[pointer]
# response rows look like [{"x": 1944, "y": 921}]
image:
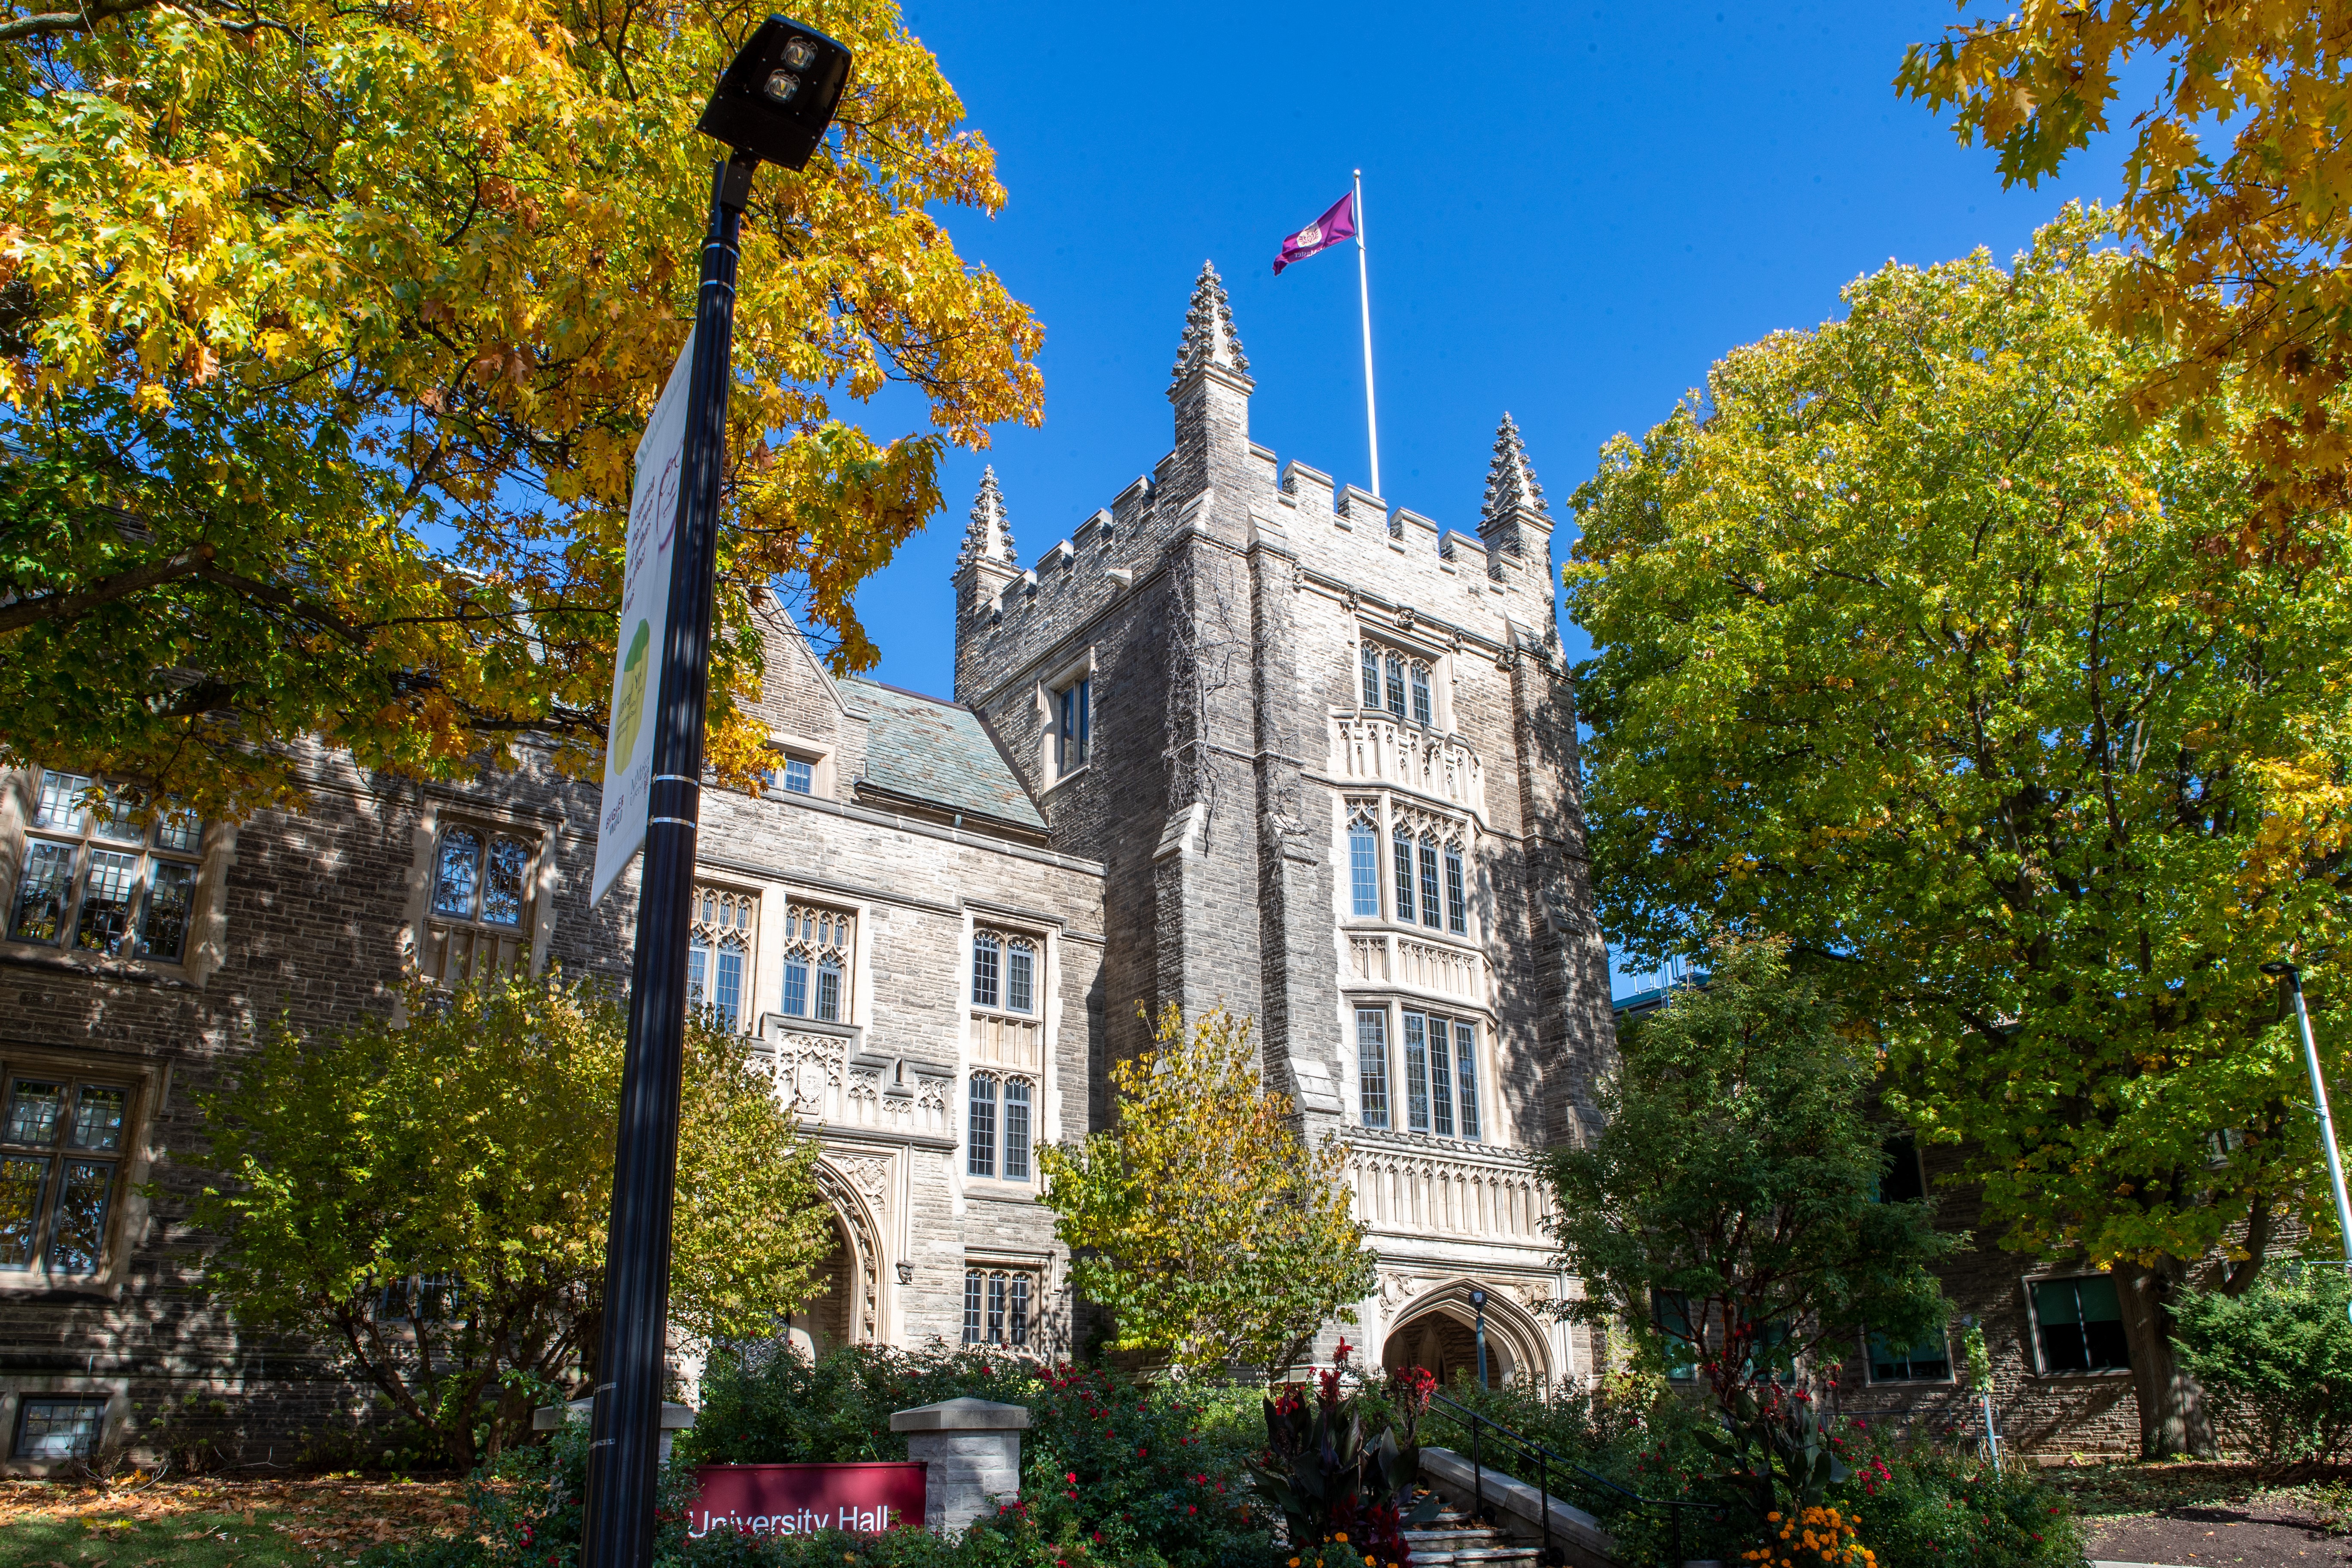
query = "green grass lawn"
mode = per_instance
[{"x": 179, "y": 1541}]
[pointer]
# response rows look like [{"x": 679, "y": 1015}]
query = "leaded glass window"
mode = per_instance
[
  {"x": 1416, "y": 1074},
  {"x": 103, "y": 874},
  {"x": 1396, "y": 686},
  {"x": 1016, "y": 1129},
  {"x": 1020, "y": 975},
  {"x": 1440, "y": 1079},
  {"x": 1371, "y": 676},
  {"x": 800, "y": 778},
  {"x": 1465, "y": 1081},
  {"x": 1420, "y": 695},
  {"x": 59, "y": 1429},
  {"x": 1073, "y": 719},
  {"x": 998, "y": 1307},
  {"x": 719, "y": 956},
  {"x": 1372, "y": 1064},
  {"x": 1429, "y": 911},
  {"x": 1363, "y": 864},
  {"x": 1403, "y": 883},
  {"x": 1457, "y": 905},
  {"x": 974, "y": 1284},
  {"x": 819, "y": 946},
  {"x": 987, "y": 961},
  {"x": 61, "y": 1142},
  {"x": 982, "y": 1129}
]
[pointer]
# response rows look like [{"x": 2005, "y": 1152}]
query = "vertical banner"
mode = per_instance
[{"x": 645, "y": 618}]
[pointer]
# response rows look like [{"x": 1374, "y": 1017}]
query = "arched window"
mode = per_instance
[
  {"x": 1020, "y": 975},
  {"x": 996, "y": 1306},
  {"x": 987, "y": 964},
  {"x": 717, "y": 957},
  {"x": 1429, "y": 905},
  {"x": 980, "y": 1143},
  {"x": 1363, "y": 863},
  {"x": 1396, "y": 686},
  {"x": 1371, "y": 676},
  {"x": 817, "y": 952},
  {"x": 1421, "y": 694}
]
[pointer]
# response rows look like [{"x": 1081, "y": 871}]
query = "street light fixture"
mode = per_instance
[
  {"x": 2294, "y": 978},
  {"x": 773, "y": 105}
]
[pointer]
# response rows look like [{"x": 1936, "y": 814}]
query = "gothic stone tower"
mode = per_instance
[{"x": 1326, "y": 755}]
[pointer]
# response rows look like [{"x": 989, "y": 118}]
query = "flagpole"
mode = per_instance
[{"x": 1364, "y": 296}]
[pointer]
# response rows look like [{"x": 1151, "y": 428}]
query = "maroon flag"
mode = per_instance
[{"x": 1325, "y": 232}]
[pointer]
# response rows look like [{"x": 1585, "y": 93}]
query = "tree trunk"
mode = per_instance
[{"x": 2173, "y": 1421}]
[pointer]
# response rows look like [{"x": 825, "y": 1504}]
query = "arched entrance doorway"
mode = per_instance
[
  {"x": 845, "y": 1306},
  {"x": 1439, "y": 1331}
]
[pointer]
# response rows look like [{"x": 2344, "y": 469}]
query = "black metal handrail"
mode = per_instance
[{"x": 1545, "y": 1461}]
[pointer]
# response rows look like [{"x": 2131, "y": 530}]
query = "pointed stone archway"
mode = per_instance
[
  {"x": 848, "y": 1307},
  {"x": 1437, "y": 1329}
]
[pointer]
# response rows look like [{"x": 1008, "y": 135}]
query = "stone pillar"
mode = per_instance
[{"x": 973, "y": 1449}]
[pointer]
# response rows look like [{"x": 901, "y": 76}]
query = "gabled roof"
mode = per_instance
[{"x": 927, "y": 750}]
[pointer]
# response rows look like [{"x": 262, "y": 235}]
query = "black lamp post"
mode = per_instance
[
  {"x": 2294, "y": 978},
  {"x": 773, "y": 105},
  {"x": 1478, "y": 1306}
]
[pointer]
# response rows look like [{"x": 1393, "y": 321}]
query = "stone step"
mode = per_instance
[
  {"x": 1464, "y": 1534},
  {"x": 1480, "y": 1557}
]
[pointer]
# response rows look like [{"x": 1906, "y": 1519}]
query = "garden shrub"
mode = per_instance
[
  {"x": 2276, "y": 1363},
  {"x": 1140, "y": 1473}
]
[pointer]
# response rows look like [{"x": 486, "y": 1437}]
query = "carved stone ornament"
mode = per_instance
[
  {"x": 906, "y": 1272},
  {"x": 1405, "y": 618}
]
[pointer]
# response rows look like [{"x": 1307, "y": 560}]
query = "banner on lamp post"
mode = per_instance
[{"x": 644, "y": 620}]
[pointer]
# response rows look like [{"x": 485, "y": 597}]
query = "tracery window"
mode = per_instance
[
  {"x": 99, "y": 880},
  {"x": 1398, "y": 682},
  {"x": 1396, "y": 686},
  {"x": 719, "y": 956},
  {"x": 999, "y": 1146},
  {"x": 1402, "y": 886},
  {"x": 478, "y": 919},
  {"x": 998, "y": 1307},
  {"x": 1428, "y": 911},
  {"x": 62, "y": 1142},
  {"x": 1457, "y": 912},
  {"x": 818, "y": 948}
]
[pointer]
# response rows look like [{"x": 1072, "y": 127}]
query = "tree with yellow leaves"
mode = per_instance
[
  {"x": 2242, "y": 266},
  {"x": 1208, "y": 1227},
  {"x": 327, "y": 334},
  {"x": 1906, "y": 655}
]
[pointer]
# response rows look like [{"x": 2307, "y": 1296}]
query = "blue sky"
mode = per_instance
[{"x": 1572, "y": 211}]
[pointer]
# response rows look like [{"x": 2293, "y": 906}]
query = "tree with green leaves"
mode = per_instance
[
  {"x": 328, "y": 332},
  {"x": 1908, "y": 652},
  {"x": 431, "y": 1198},
  {"x": 1727, "y": 1212},
  {"x": 1212, "y": 1232}
]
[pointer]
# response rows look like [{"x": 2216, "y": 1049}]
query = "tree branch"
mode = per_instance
[{"x": 188, "y": 562}]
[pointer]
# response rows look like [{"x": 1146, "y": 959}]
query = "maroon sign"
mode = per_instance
[{"x": 801, "y": 1500}]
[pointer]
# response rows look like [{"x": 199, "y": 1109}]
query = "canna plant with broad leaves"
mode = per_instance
[{"x": 1333, "y": 1486}]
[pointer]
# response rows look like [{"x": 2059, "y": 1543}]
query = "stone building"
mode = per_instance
[{"x": 1246, "y": 736}]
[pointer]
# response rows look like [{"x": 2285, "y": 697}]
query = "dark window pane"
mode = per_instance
[
  {"x": 973, "y": 1285},
  {"x": 1670, "y": 1310},
  {"x": 1371, "y": 676},
  {"x": 117, "y": 816},
  {"x": 1416, "y": 1075},
  {"x": 44, "y": 892},
  {"x": 1440, "y": 1079},
  {"x": 1396, "y": 686},
  {"x": 1404, "y": 875},
  {"x": 80, "y": 1235},
  {"x": 1457, "y": 908},
  {"x": 36, "y": 1108},
  {"x": 982, "y": 1161},
  {"x": 502, "y": 889},
  {"x": 1902, "y": 1183},
  {"x": 796, "y": 988},
  {"x": 996, "y": 1309},
  {"x": 458, "y": 877},
  {"x": 727, "y": 987},
  {"x": 1372, "y": 1064},
  {"x": 2081, "y": 1325},
  {"x": 985, "y": 957},
  {"x": 1420, "y": 695},
  {"x": 1020, "y": 977},
  {"x": 105, "y": 925},
  {"x": 698, "y": 972},
  {"x": 170, "y": 902},
  {"x": 1016, "y": 1132},
  {"x": 1929, "y": 1361},
  {"x": 1021, "y": 1309},
  {"x": 22, "y": 1182},
  {"x": 98, "y": 1116},
  {"x": 1465, "y": 1062},
  {"x": 1429, "y": 915},
  {"x": 828, "y": 991},
  {"x": 59, "y": 1429}
]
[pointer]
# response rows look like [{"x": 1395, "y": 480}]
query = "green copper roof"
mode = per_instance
[{"x": 937, "y": 752}]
